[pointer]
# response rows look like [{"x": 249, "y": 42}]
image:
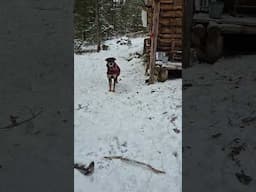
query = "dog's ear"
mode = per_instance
[{"x": 110, "y": 59}]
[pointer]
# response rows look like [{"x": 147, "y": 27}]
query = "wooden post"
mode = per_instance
[
  {"x": 154, "y": 35},
  {"x": 187, "y": 26}
]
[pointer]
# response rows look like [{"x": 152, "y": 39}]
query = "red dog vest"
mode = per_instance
[{"x": 115, "y": 70}]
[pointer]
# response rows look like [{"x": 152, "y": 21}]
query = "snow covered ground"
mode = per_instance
[
  {"x": 136, "y": 122},
  {"x": 224, "y": 121}
]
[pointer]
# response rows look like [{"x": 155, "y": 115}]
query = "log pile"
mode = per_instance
[{"x": 207, "y": 42}]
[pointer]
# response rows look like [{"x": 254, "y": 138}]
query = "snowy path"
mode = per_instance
[{"x": 136, "y": 121}]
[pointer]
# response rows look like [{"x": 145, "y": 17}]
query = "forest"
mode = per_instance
[{"x": 97, "y": 20}]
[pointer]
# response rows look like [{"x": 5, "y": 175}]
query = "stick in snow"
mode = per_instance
[
  {"x": 15, "y": 124},
  {"x": 135, "y": 162}
]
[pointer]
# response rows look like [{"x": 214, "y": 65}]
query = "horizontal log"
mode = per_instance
[
  {"x": 178, "y": 30},
  {"x": 173, "y": 43},
  {"x": 179, "y": 2},
  {"x": 167, "y": 1},
  {"x": 170, "y": 30},
  {"x": 229, "y": 29},
  {"x": 171, "y": 21},
  {"x": 165, "y": 43},
  {"x": 170, "y": 7},
  {"x": 237, "y": 29},
  {"x": 164, "y": 49},
  {"x": 169, "y": 41},
  {"x": 167, "y": 30},
  {"x": 170, "y": 26},
  {"x": 226, "y": 19},
  {"x": 168, "y": 48},
  {"x": 176, "y": 2},
  {"x": 170, "y": 36},
  {"x": 171, "y": 14}
]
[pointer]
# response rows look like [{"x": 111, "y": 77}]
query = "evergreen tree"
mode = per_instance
[{"x": 106, "y": 17}]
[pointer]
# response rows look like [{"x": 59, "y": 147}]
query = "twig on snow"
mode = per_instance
[
  {"x": 15, "y": 124},
  {"x": 136, "y": 162}
]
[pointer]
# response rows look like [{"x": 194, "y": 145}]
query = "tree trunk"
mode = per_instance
[{"x": 98, "y": 36}]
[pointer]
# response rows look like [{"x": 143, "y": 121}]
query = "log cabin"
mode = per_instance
[
  {"x": 215, "y": 21},
  {"x": 164, "y": 21}
]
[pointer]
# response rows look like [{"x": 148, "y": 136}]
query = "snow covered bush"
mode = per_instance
[{"x": 124, "y": 41}]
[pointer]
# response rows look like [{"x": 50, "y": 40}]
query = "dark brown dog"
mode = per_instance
[{"x": 113, "y": 71}]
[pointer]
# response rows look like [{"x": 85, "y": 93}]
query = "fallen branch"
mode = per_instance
[
  {"x": 135, "y": 162},
  {"x": 85, "y": 170},
  {"x": 15, "y": 124}
]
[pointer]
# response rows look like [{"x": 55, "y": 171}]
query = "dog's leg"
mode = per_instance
[
  {"x": 109, "y": 84},
  {"x": 114, "y": 86}
]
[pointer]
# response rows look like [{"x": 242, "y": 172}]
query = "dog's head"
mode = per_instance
[
  {"x": 110, "y": 62},
  {"x": 110, "y": 59}
]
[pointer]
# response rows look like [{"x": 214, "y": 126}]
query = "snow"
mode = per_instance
[
  {"x": 144, "y": 18},
  {"x": 225, "y": 93},
  {"x": 136, "y": 122}
]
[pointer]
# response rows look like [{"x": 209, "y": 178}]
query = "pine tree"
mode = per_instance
[{"x": 97, "y": 20}]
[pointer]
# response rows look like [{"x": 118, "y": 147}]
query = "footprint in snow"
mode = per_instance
[{"x": 117, "y": 147}]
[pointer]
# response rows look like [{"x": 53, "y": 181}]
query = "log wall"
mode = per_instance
[{"x": 169, "y": 38}]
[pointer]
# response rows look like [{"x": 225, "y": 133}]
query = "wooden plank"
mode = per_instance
[
  {"x": 171, "y": 65},
  {"x": 156, "y": 6}
]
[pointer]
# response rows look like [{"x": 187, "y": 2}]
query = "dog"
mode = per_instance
[{"x": 113, "y": 71}]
